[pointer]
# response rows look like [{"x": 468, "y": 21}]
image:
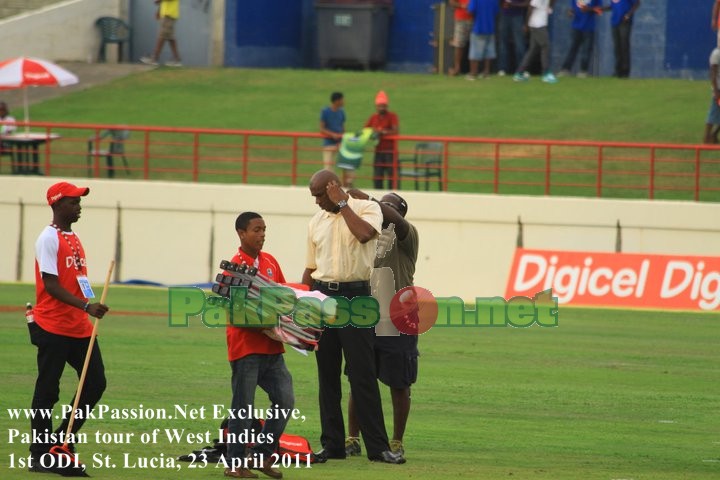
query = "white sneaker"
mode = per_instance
[
  {"x": 564, "y": 73},
  {"x": 501, "y": 73},
  {"x": 148, "y": 61},
  {"x": 582, "y": 75},
  {"x": 549, "y": 78},
  {"x": 173, "y": 63}
]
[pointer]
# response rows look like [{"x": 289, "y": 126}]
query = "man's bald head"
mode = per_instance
[
  {"x": 321, "y": 178},
  {"x": 318, "y": 189}
]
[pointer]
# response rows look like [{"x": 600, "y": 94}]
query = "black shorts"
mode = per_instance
[
  {"x": 396, "y": 369},
  {"x": 396, "y": 360}
]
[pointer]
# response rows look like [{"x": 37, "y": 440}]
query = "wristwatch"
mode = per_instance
[{"x": 341, "y": 204}]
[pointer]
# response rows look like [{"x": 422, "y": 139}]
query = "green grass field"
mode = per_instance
[
  {"x": 608, "y": 394},
  {"x": 603, "y": 109}
]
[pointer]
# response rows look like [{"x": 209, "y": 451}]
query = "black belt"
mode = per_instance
[{"x": 337, "y": 286}]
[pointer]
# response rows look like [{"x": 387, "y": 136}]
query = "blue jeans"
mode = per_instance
[
  {"x": 512, "y": 38},
  {"x": 269, "y": 373},
  {"x": 582, "y": 42}
]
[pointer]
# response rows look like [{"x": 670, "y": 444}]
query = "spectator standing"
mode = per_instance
[
  {"x": 621, "y": 20},
  {"x": 583, "y": 14},
  {"x": 538, "y": 17},
  {"x": 168, "y": 13},
  {"x": 332, "y": 127},
  {"x": 511, "y": 33},
  {"x": 461, "y": 32},
  {"x": 385, "y": 123},
  {"x": 712, "y": 126},
  {"x": 482, "y": 38},
  {"x": 715, "y": 20}
]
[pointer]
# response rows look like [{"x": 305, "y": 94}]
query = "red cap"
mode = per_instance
[
  {"x": 381, "y": 98},
  {"x": 65, "y": 189}
]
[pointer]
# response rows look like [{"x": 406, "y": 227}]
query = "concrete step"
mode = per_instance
[{"x": 8, "y": 8}]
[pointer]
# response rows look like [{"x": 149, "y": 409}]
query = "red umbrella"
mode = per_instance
[{"x": 23, "y": 72}]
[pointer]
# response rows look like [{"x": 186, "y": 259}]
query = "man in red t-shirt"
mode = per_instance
[
  {"x": 59, "y": 326},
  {"x": 385, "y": 123},
  {"x": 256, "y": 360}
]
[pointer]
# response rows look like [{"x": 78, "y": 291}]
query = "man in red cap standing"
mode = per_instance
[
  {"x": 385, "y": 123},
  {"x": 59, "y": 326}
]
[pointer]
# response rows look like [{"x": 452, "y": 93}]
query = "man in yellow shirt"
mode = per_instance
[
  {"x": 340, "y": 255},
  {"x": 168, "y": 13}
]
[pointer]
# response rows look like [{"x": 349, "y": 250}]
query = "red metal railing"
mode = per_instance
[{"x": 490, "y": 165}]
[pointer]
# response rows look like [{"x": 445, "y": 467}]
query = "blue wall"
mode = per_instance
[
  {"x": 688, "y": 35},
  {"x": 410, "y": 28},
  {"x": 671, "y": 38},
  {"x": 269, "y": 34}
]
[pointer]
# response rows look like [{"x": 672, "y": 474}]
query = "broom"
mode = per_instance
[{"x": 63, "y": 449}]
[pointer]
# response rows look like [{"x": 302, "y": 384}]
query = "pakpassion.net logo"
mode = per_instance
[{"x": 413, "y": 310}]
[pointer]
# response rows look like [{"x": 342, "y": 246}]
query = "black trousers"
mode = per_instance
[
  {"x": 54, "y": 351},
  {"x": 357, "y": 345},
  {"x": 621, "y": 39},
  {"x": 382, "y": 166}
]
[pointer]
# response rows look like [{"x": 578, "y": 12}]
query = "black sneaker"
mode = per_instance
[
  {"x": 389, "y": 457},
  {"x": 323, "y": 456}
]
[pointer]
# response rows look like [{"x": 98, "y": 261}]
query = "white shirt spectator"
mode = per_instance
[
  {"x": 7, "y": 125},
  {"x": 540, "y": 12}
]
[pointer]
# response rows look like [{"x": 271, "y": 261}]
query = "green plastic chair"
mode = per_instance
[
  {"x": 425, "y": 164},
  {"x": 113, "y": 30},
  {"x": 116, "y": 148}
]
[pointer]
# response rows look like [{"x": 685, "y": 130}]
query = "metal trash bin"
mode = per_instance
[{"x": 353, "y": 33}]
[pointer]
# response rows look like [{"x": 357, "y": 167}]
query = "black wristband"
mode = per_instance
[{"x": 85, "y": 308}]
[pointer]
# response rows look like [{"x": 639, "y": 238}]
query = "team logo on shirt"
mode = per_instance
[
  {"x": 269, "y": 272},
  {"x": 70, "y": 261}
]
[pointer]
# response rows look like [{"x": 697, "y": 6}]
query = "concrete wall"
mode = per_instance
[
  {"x": 62, "y": 31},
  {"x": 466, "y": 241}
]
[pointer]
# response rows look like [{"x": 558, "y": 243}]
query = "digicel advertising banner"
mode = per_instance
[{"x": 618, "y": 279}]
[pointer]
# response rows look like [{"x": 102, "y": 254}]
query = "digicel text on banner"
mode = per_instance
[{"x": 618, "y": 279}]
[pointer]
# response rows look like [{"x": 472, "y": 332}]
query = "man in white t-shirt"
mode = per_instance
[
  {"x": 7, "y": 126},
  {"x": 7, "y": 122},
  {"x": 712, "y": 125},
  {"x": 538, "y": 15}
]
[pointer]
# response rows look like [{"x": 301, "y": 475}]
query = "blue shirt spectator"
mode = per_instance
[
  {"x": 484, "y": 13},
  {"x": 584, "y": 20},
  {"x": 334, "y": 120},
  {"x": 619, "y": 9}
]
